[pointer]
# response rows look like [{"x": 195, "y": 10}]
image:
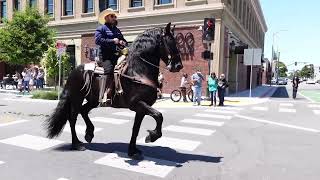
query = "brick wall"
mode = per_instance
[{"x": 190, "y": 55}]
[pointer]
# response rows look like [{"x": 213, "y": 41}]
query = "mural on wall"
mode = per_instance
[{"x": 185, "y": 44}]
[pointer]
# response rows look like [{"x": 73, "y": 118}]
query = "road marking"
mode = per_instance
[
  {"x": 31, "y": 142},
  {"x": 109, "y": 120},
  {"x": 173, "y": 143},
  {"x": 311, "y": 100},
  {"x": 62, "y": 179},
  {"x": 12, "y": 123},
  {"x": 213, "y": 116},
  {"x": 229, "y": 108},
  {"x": 189, "y": 130},
  {"x": 221, "y": 111},
  {"x": 286, "y": 104},
  {"x": 260, "y": 108},
  {"x": 1, "y": 162},
  {"x": 79, "y": 129},
  {"x": 150, "y": 166},
  {"x": 278, "y": 124},
  {"x": 287, "y": 110},
  {"x": 125, "y": 113},
  {"x": 314, "y": 105},
  {"x": 317, "y": 112},
  {"x": 204, "y": 122}
]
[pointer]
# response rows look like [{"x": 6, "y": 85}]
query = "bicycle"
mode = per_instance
[{"x": 176, "y": 94}]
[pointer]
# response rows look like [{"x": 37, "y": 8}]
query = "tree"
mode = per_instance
[
  {"x": 282, "y": 69},
  {"x": 25, "y": 38},
  {"x": 51, "y": 63},
  {"x": 307, "y": 71}
]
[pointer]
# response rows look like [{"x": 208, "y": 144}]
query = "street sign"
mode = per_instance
[{"x": 61, "y": 48}]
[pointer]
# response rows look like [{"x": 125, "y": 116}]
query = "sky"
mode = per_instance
[{"x": 298, "y": 24}]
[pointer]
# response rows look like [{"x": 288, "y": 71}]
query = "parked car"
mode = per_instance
[
  {"x": 282, "y": 81},
  {"x": 311, "y": 81}
]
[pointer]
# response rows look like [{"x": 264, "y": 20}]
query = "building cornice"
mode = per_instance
[{"x": 257, "y": 8}]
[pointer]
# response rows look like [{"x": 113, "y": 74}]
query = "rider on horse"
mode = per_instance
[{"x": 108, "y": 37}]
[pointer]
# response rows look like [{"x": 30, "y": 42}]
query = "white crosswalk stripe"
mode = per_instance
[
  {"x": 221, "y": 111},
  {"x": 203, "y": 122},
  {"x": 1, "y": 162},
  {"x": 317, "y": 112},
  {"x": 286, "y": 110},
  {"x": 314, "y": 105},
  {"x": 150, "y": 166},
  {"x": 31, "y": 142},
  {"x": 260, "y": 108},
  {"x": 286, "y": 104},
  {"x": 62, "y": 179},
  {"x": 125, "y": 113},
  {"x": 229, "y": 108},
  {"x": 216, "y": 116},
  {"x": 12, "y": 123},
  {"x": 80, "y": 129},
  {"x": 189, "y": 130},
  {"x": 173, "y": 143},
  {"x": 110, "y": 120}
]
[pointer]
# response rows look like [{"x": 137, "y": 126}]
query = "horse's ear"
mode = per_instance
[
  {"x": 172, "y": 29},
  {"x": 168, "y": 28}
]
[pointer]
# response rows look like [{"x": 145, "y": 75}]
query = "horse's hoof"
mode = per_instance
[
  {"x": 153, "y": 136},
  {"x": 78, "y": 147},
  {"x": 88, "y": 137}
]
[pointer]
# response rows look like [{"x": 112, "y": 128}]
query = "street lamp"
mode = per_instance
[{"x": 277, "y": 67}]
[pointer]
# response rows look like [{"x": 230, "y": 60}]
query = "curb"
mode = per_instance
[{"x": 266, "y": 94}]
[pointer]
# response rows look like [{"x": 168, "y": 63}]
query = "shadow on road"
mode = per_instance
[
  {"x": 281, "y": 92},
  {"x": 157, "y": 152}
]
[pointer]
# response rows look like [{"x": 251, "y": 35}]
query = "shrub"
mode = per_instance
[{"x": 49, "y": 95}]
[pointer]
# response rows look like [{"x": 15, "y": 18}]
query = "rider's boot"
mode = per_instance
[{"x": 106, "y": 100}]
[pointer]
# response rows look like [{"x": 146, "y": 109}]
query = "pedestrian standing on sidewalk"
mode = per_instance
[
  {"x": 40, "y": 79},
  {"x": 26, "y": 79},
  {"x": 213, "y": 85},
  {"x": 222, "y": 85},
  {"x": 183, "y": 86},
  {"x": 197, "y": 79},
  {"x": 295, "y": 85},
  {"x": 19, "y": 80}
]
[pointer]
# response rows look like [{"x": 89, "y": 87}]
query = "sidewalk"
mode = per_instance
[{"x": 263, "y": 91}]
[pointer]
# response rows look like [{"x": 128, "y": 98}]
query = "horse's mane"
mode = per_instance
[{"x": 144, "y": 46}]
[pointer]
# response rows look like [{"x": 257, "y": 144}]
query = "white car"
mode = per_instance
[{"x": 311, "y": 81}]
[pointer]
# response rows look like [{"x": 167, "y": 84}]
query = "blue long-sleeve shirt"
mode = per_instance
[{"x": 104, "y": 36}]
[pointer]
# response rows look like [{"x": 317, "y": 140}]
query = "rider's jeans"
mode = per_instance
[{"x": 197, "y": 95}]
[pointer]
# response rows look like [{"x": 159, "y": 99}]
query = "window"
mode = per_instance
[
  {"x": 33, "y": 3},
  {"x": 158, "y": 2},
  {"x": 50, "y": 7},
  {"x": 88, "y": 6},
  {"x": 136, "y": 3},
  {"x": 17, "y": 5},
  {"x": 68, "y": 7},
  {"x": 105, "y": 4},
  {"x": 3, "y": 9}
]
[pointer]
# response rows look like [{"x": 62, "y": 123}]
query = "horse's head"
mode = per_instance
[{"x": 168, "y": 50}]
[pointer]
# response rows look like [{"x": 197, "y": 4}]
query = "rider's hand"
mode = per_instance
[
  {"x": 121, "y": 42},
  {"x": 116, "y": 40}
]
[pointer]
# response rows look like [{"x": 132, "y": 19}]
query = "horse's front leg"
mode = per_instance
[{"x": 157, "y": 132}]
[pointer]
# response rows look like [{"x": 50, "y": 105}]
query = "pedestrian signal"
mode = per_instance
[{"x": 209, "y": 29}]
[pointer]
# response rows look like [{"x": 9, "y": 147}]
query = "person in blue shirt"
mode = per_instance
[
  {"x": 197, "y": 79},
  {"x": 213, "y": 87},
  {"x": 108, "y": 37}
]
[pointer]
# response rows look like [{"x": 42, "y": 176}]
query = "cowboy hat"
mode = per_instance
[{"x": 105, "y": 13}]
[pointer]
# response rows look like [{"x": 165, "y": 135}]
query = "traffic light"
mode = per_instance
[
  {"x": 209, "y": 29},
  {"x": 207, "y": 55},
  {"x": 295, "y": 63}
]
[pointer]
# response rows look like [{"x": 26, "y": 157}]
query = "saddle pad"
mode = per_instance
[{"x": 89, "y": 66}]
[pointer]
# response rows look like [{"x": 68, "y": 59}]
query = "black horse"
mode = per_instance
[{"x": 143, "y": 65}]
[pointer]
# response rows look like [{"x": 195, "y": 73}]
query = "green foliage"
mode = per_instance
[
  {"x": 51, "y": 63},
  {"x": 25, "y": 38},
  {"x": 307, "y": 71},
  {"x": 282, "y": 69},
  {"x": 49, "y": 95}
]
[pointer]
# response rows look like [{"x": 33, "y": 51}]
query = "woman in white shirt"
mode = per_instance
[{"x": 183, "y": 86}]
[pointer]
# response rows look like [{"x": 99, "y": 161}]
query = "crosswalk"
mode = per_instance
[
  {"x": 290, "y": 108},
  {"x": 194, "y": 130}
]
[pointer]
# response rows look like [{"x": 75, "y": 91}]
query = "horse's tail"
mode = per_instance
[{"x": 56, "y": 122}]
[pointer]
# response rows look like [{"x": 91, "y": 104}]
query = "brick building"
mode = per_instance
[{"x": 239, "y": 22}]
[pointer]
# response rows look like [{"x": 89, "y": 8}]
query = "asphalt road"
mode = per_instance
[{"x": 277, "y": 139}]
